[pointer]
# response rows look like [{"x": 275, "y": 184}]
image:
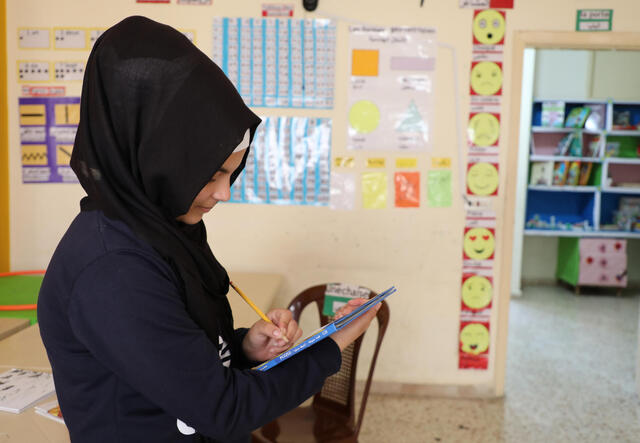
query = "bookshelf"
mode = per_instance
[{"x": 584, "y": 181}]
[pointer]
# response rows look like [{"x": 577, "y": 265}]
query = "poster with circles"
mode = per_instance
[
  {"x": 390, "y": 101},
  {"x": 486, "y": 78}
]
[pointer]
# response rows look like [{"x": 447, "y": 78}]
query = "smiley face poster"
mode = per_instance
[
  {"x": 477, "y": 293},
  {"x": 474, "y": 339}
]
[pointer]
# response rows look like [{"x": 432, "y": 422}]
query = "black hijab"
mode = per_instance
[{"x": 157, "y": 119}]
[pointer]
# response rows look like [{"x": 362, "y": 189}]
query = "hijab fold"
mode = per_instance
[{"x": 157, "y": 119}]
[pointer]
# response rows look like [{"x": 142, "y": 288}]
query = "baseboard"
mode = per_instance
[
  {"x": 419, "y": 390},
  {"x": 635, "y": 284}
]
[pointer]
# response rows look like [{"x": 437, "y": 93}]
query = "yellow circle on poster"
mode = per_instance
[
  {"x": 477, "y": 292},
  {"x": 486, "y": 78},
  {"x": 482, "y": 179},
  {"x": 364, "y": 116},
  {"x": 488, "y": 27},
  {"x": 483, "y": 129},
  {"x": 474, "y": 338},
  {"x": 479, "y": 243}
]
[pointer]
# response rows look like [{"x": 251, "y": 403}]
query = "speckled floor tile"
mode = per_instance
[{"x": 571, "y": 365}]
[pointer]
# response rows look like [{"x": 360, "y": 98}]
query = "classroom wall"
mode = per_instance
[
  {"x": 417, "y": 250},
  {"x": 580, "y": 74}
]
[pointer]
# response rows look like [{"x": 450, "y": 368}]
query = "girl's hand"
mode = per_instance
[
  {"x": 345, "y": 336},
  {"x": 265, "y": 340}
]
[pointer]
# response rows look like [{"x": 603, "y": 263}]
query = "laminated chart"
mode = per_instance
[
  {"x": 288, "y": 164},
  {"x": 47, "y": 131},
  {"x": 278, "y": 62},
  {"x": 390, "y": 103}
]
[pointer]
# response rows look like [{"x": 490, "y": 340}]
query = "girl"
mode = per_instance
[{"x": 133, "y": 309}]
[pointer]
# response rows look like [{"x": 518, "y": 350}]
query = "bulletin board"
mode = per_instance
[{"x": 397, "y": 214}]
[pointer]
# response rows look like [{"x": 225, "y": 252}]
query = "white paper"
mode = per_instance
[
  {"x": 343, "y": 189},
  {"x": 69, "y": 71},
  {"x": 33, "y": 71},
  {"x": 33, "y": 38},
  {"x": 70, "y": 39},
  {"x": 20, "y": 389},
  {"x": 390, "y": 101}
]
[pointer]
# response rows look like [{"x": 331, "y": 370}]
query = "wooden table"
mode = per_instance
[
  {"x": 24, "y": 349},
  {"x": 9, "y": 326}
]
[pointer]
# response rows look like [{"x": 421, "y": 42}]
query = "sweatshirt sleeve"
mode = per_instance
[{"x": 126, "y": 309}]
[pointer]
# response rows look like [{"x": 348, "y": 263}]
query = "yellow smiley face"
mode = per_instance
[
  {"x": 486, "y": 78},
  {"x": 474, "y": 338},
  {"x": 479, "y": 243},
  {"x": 477, "y": 292},
  {"x": 482, "y": 179},
  {"x": 483, "y": 129},
  {"x": 488, "y": 27}
]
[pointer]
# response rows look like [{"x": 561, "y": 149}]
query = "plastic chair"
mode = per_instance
[{"x": 332, "y": 416}]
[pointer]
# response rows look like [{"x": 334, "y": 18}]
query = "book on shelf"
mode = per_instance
[
  {"x": 585, "y": 173},
  {"x": 541, "y": 173},
  {"x": 577, "y": 117},
  {"x": 575, "y": 148},
  {"x": 552, "y": 114},
  {"x": 560, "y": 171},
  {"x": 326, "y": 331},
  {"x": 50, "y": 410},
  {"x": 565, "y": 144},
  {"x": 573, "y": 174},
  {"x": 20, "y": 389},
  {"x": 595, "y": 120}
]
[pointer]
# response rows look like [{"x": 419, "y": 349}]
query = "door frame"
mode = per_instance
[{"x": 537, "y": 40}]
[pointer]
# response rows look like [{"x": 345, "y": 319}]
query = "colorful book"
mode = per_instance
[
  {"x": 560, "y": 173},
  {"x": 577, "y": 117},
  {"x": 326, "y": 331},
  {"x": 552, "y": 114},
  {"x": 585, "y": 173},
  {"x": 20, "y": 389},
  {"x": 573, "y": 174},
  {"x": 50, "y": 410},
  {"x": 565, "y": 144}
]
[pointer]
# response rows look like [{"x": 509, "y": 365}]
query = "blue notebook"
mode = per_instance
[{"x": 326, "y": 331}]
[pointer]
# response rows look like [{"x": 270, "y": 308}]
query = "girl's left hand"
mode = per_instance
[{"x": 265, "y": 340}]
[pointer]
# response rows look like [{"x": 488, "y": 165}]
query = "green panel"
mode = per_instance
[
  {"x": 568, "y": 266},
  {"x": 20, "y": 290},
  {"x": 596, "y": 175},
  {"x": 628, "y": 145}
]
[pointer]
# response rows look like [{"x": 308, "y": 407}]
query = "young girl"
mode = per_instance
[{"x": 133, "y": 309}]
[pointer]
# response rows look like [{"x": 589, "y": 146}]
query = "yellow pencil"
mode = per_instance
[{"x": 255, "y": 308}]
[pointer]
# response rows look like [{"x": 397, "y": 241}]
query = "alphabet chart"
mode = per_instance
[{"x": 278, "y": 62}]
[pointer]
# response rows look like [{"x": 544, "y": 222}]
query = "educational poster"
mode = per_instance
[
  {"x": 47, "y": 131},
  {"x": 288, "y": 164},
  {"x": 482, "y": 176},
  {"x": 474, "y": 345},
  {"x": 278, "y": 62},
  {"x": 439, "y": 194},
  {"x": 407, "y": 189},
  {"x": 343, "y": 190},
  {"x": 477, "y": 288},
  {"x": 374, "y": 190},
  {"x": 390, "y": 101},
  {"x": 477, "y": 293}
]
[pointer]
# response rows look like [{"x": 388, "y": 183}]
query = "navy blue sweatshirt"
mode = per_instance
[{"x": 129, "y": 362}]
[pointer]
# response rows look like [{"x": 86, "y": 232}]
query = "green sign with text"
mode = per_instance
[{"x": 594, "y": 19}]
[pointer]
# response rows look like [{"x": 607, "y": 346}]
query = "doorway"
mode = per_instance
[{"x": 522, "y": 43}]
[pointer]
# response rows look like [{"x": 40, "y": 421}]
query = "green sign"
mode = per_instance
[{"x": 594, "y": 19}]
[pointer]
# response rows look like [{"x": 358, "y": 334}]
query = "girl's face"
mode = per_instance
[{"x": 218, "y": 189}]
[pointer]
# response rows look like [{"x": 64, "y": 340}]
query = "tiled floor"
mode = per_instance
[{"x": 570, "y": 378}]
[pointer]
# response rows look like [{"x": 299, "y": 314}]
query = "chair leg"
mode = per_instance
[{"x": 271, "y": 431}]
